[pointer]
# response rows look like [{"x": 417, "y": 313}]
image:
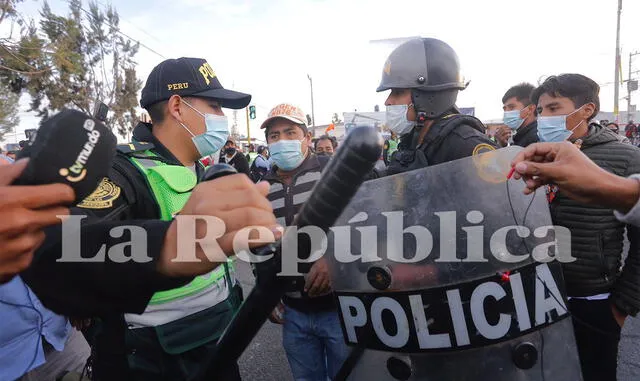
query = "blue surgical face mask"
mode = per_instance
[
  {"x": 397, "y": 121},
  {"x": 286, "y": 154},
  {"x": 554, "y": 128},
  {"x": 512, "y": 119},
  {"x": 215, "y": 135}
]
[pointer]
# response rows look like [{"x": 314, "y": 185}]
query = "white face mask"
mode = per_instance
[{"x": 397, "y": 119}]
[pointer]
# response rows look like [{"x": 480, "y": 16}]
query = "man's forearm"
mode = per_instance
[
  {"x": 620, "y": 193},
  {"x": 93, "y": 288}
]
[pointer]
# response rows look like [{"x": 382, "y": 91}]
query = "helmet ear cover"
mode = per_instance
[{"x": 432, "y": 105}]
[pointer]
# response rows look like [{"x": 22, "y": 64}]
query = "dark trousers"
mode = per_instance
[{"x": 598, "y": 350}]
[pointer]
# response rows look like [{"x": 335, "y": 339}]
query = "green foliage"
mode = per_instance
[
  {"x": 74, "y": 61},
  {"x": 9, "y": 103}
]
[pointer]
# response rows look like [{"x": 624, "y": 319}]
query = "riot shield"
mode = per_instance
[{"x": 452, "y": 273}]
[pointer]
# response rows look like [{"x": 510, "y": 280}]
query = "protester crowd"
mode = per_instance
[{"x": 160, "y": 320}]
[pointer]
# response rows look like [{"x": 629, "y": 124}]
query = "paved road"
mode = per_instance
[
  {"x": 265, "y": 360},
  {"x": 629, "y": 351}
]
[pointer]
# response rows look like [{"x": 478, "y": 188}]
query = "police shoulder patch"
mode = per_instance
[
  {"x": 134, "y": 147},
  {"x": 482, "y": 148},
  {"x": 103, "y": 197}
]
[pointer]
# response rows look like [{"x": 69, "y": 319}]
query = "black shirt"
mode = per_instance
[
  {"x": 240, "y": 163},
  {"x": 526, "y": 135}
]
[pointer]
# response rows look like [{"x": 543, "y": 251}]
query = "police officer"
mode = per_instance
[
  {"x": 424, "y": 78},
  {"x": 251, "y": 156},
  {"x": 152, "y": 178},
  {"x": 390, "y": 147}
]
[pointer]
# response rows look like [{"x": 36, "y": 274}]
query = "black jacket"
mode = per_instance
[
  {"x": 526, "y": 135},
  {"x": 240, "y": 163},
  {"x": 452, "y": 137},
  {"x": 597, "y": 236}
]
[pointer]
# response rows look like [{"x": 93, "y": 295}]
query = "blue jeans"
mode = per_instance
[{"x": 314, "y": 344}]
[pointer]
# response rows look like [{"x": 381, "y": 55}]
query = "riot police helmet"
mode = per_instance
[{"x": 430, "y": 69}]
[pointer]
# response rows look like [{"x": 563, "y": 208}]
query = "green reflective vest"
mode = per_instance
[
  {"x": 171, "y": 186},
  {"x": 252, "y": 157},
  {"x": 393, "y": 147}
]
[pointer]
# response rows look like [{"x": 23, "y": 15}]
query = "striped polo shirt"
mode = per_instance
[{"x": 287, "y": 200}]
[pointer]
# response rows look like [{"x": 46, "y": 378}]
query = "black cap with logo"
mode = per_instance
[{"x": 189, "y": 77}]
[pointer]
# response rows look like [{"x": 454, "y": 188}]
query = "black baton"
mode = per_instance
[{"x": 331, "y": 194}]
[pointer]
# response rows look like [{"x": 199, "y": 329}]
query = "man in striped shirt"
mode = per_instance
[{"x": 312, "y": 337}]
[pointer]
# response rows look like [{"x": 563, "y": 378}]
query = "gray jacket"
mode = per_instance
[{"x": 597, "y": 235}]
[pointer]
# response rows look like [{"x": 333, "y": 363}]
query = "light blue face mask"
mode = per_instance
[
  {"x": 286, "y": 154},
  {"x": 512, "y": 119},
  {"x": 215, "y": 135},
  {"x": 554, "y": 128}
]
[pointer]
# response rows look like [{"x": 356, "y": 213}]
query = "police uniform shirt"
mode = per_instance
[
  {"x": 463, "y": 141},
  {"x": 444, "y": 142}
]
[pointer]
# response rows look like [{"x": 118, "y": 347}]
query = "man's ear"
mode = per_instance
[
  {"x": 306, "y": 140},
  {"x": 174, "y": 107},
  {"x": 588, "y": 111},
  {"x": 528, "y": 111}
]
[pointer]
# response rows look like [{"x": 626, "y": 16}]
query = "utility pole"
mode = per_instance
[
  {"x": 616, "y": 92},
  {"x": 631, "y": 85},
  {"x": 235, "y": 118},
  {"x": 313, "y": 115},
  {"x": 248, "y": 126}
]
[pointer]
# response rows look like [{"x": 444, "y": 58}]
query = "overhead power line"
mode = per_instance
[{"x": 124, "y": 34}]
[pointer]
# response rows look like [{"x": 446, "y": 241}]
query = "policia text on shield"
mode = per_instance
[
  {"x": 421, "y": 320},
  {"x": 477, "y": 293}
]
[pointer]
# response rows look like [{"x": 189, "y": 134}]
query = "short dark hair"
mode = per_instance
[
  {"x": 230, "y": 142},
  {"x": 522, "y": 93},
  {"x": 156, "y": 112},
  {"x": 332, "y": 139},
  {"x": 580, "y": 89}
]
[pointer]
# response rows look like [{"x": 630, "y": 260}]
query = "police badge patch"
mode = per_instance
[
  {"x": 103, "y": 197},
  {"x": 490, "y": 165},
  {"x": 482, "y": 148}
]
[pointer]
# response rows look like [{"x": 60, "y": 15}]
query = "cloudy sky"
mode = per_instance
[{"x": 267, "y": 47}]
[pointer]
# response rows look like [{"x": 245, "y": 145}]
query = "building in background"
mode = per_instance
[
  {"x": 623, "y": 117},
  {"x": 492, "y": 126}
]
